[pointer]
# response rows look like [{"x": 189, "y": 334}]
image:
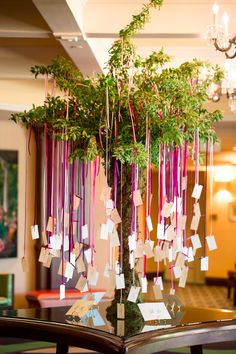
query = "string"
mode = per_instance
[
  {"x": 26, "y": 188},
  {"x": 205, "y": 204}
]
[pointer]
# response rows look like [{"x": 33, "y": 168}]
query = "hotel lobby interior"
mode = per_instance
[{"x": 35, "y": 32}]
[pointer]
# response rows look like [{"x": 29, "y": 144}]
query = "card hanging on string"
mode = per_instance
[
  {"x": 133, "y": 293},
  {"x": 34, "y": 232}
]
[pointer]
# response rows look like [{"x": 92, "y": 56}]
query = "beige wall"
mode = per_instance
[{"x": 13, "y": 137}]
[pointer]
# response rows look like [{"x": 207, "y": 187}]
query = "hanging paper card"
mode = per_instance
[
  {"x": 172, "y": 291},
  {"x": 55, "y": 242},
  {"x": 69, "y": 270},
  {"x": 120, "y": 281},
  {"x": 62, "y": 291},
  {"x": 84, "y": 231},
  {"x": 50, "y": 224},
  {"x": 195, "y": 222},
  {"x": 158, "y": 254},
  {"x": 197, "y": 190},
  {"x": 77, "y": 248},
  {"x": 196, "y": 208},
  {"x": 158, "y": 281},
  {"x": 80, "y": 308},
  {"x": 177, "y": 206},
  {"x": 148, "y": 250},
  {"x": 88, "y": 255},
  {"x": 190, "y": 257},
  {"x": 44, "y": 252},
  {"x": 166, "y": 210},
  {"x": 137, "y": 199},
  {"x": 170, "y": 233},
  {"x": 97, "y": 318},
  {"x": 154, "y": 311},
  {"x": 161, "y": 231},
  {"x": 120, "y": 331},
  {"x": 196, "y": 241},
  {"x": 34, "y": 232},
  {"x": 48, "y": 262},
  {"x": 211, "y": 243},
  {"x": 76, "y": 202},
  {"x": 131, "y": 260},
  {"x": 115, "y": 216},
  {"x": 25, "y": 264},
  {"x": 144, "y": 285},
  {"x": 80, "y": 265},
  {"x": 204, "y": 263},
  {"x": 133, "y": 293},
  {"x": 132, "y": 242},
  {"x": 138, "y": 253},
  {"x": 81, "y": 283},
  {"x": 44, "y": 238},
  {"x": 66, "y": 245},
  {"x": 182, "y": 221},
  {"x": 149, "y": 223},
  {"x": 177, "y": 272},
  {"x": 110, "y": 225},
  {"x": 183, "y": 277},
  {"x": 180, "y": 260},
  {"x": 139, "y": 265},
  {"x": 157, "y": 292},
  {"x": 170, "y": 254},
  {"x": 104, "y": 232},
  {"x": 121, "y": 311},
  {"x": 72, "y": 258},
  {"x": 114, "y": 239}
]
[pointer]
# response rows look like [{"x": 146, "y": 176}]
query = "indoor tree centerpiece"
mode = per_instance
[{"x": 137, "y": 114}]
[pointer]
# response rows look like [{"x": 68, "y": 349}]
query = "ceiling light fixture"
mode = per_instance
[{"x": 218, "y": 34}]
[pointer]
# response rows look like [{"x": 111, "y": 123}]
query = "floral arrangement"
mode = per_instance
[{"x": 137, "y": 114}]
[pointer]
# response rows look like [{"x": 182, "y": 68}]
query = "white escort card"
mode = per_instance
[
  {"x": 196, "y": 241},
  {"x": 154, "y": 311},
  {"x": 166, "y": 210},
  {"x": 104, "y": 232},
  {"x": 204, "y": 263},
  {"x": 120, "y": 281},
  {"x": 161, "y": 231},
  {"x": 144, "y": 284},
  {"x": 149, "y": 223},
  {"x": 133, "y": 293},
  {"x": 62, "y": 291},
  {"x": 197, "y": 190},
  {"x": 34, "y": 232},
  {"x": 132, "y": 242},
  {"x": 211, "y": 243},
  {"x": 84, "y": 231},
  {"x": 137, "y": 199}
]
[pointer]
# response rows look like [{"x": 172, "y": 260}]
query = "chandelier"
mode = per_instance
[
  {"x": 227, "y": 86},
  {"x": 218, "y": 34}
]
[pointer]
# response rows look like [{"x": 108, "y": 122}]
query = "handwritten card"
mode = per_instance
[
  {"x": 80, "y": 265},
  {"x": 144, "y": 284},
  {"x": 148, "y": 249},
  {"x": 110, "y": 225},
  {"x": 44, "y": 238},
  {"x": 154, "y": 311},
  {"x": 34, "y": 232},
  {"x": 81, "y": 283},
  {"x": 133, "y": 293},
  {"x": 88, "y": 255},
  {"x": 115, "y": 216},
  {"x": 204, "y": 263},
  {"x": 197, "y": 190},
  {"x": 158, "y": 281},
  {"x": 131, "y": 260},
  {"x": 114, "y": 239},
  {"x": 50, "y": 224},
  {"x": 69, "y": 271},
  {"x": 195, "y": 222},
  {"x": 120, "y": 311},
  {"x": 182, "y": 221},
  {"x": 120, "y": 281},
  {"x": 211, "y": 243},
  {"x": 196, "y": 241},
  {"x": 166, "y": 210},
  {"x": 137, "y": 199},
  {"x": 177, "y": 272},
  {"x": 183, "y": 277}
]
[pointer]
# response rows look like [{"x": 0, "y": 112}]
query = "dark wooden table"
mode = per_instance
[{"x": 191, "y": 327}]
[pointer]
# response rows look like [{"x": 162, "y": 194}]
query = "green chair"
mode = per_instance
[{"x": 6, "y": 291}]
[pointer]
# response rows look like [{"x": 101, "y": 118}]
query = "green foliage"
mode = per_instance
[{"x": 112, "y": 111}]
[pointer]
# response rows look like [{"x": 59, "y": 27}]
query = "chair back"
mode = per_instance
[{"x": 6, "y": 290}]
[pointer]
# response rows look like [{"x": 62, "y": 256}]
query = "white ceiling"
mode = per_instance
[{"x": 34, "y": 32}]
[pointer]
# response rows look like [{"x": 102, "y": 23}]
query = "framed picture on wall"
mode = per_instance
[
  {"x": 232, "y": 211},
  {"x": 8, "y": 203}
]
